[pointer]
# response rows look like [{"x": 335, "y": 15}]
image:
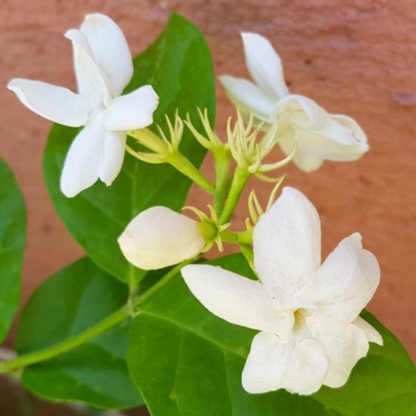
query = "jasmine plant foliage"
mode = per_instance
[
  {"x": 143, "y": 319},
  {"x": 67, "y": 304},
  {"x": 12, "y": 245}
]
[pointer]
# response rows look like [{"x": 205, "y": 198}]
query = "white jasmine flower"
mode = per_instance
[
  {"x": 308, "y": 313},
  {"x": 320, "y": 136},
  {"x": 103, "y": 68},
  {"x": 160, "y": 237}
]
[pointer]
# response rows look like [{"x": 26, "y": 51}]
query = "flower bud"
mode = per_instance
[{"x": 160, "y": 237}]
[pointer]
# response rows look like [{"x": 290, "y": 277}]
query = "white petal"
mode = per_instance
[
  {"x": 344, "y": 344},
  {"x": 56, "y": 104},
  {"x": 266, "y": 363},
  {"x": 114, "y": 151},
  {"x": 302, "y": 113},
  {"x": 302, "y": 160},
  {"x": 372, "y": 334},
  {"x": 318, "y": 134},
  {"x": 306, "y": 162},
  {"x": 111, "y": 51},
  {"x": 345, "y": 282},
  {"x": 264, "y": 65},
  {"x": 92, "y": 82},
  {"x": 132, "y": 111},
  {"x": 287, "y": 246},
  {"x": 352, "y": 126},
  {"x": 160, "y": 237},
  {"x": 249, "y": 98},
  {"x": 334, "y": 142},
  {"x": 84, "y": 158},
  {"x": 236, "y": 299},
  {"x": 299, "y": 366}
]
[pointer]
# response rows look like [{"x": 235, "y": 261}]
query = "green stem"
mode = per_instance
[
  {"x": 183, "y": 165},
  {"x": 51, "y": 352},
  {"x": 93, "y": 332},
  {"x": 243, "y": 237},
  {"x": 133, "y": 291},
  {"x": 222, "y": 168},
  {"x": 240, "y": 179},
  {"x": 165, "y": 279},
  {"x": 247, "y": 253}
]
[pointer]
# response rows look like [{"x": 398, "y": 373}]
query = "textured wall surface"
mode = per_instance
[{"x": 356, "y": 57}]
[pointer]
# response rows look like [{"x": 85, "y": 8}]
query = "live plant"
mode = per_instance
[{"x": 144, "y": 318}]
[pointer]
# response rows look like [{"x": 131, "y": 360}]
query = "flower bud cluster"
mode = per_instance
[
  {"x": 254, "y": 207},
  {"x": 210, "y": 227},
  {"x": 249, "y": 150},
  {"x": 162, "y": 145},
  {"x": 210, "y": 141}
]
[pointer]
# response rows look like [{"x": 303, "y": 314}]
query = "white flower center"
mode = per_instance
[
  {"x": 300, "y": 327},
  {"x": 300, "y": 318}
]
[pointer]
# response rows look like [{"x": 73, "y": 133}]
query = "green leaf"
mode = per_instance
[
  {"x": 68, "y": 303},
  {"x": 185, "y": 361},
  {"x": 12, "y": 245},
  {"x": 179, "y": 67},
  {"x": 382, "y": 384}
]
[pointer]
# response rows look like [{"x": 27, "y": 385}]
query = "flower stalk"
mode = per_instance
[
  {"x": 91, "y": 333},
  {"x": 68, "y": 345},
  {"x": 183, "y": 165},
  {"x": 242, "y": 237},
  {"x": 247, "y": 252},
  {"x": 222, "y": 169},
  {"x": 166, "y": 150},
  {"x": 239, "y": 181}
]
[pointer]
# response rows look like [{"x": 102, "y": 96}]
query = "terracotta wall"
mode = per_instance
[{"x": 353, "y": 56}]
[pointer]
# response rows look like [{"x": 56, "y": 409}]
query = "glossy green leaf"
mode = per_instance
[
  {"x": 179, "y": 67},
  {"x": 12, "y": 245},
  {"x": 382, "y": 384},
  {"x": 67, "y": 304},
  {"x": 185, "y": 362}
]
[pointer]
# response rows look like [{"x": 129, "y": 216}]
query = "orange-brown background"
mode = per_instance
[{"x": 355, "y": 57}]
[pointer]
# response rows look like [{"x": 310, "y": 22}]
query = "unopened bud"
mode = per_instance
[{"x": 160, "y": 237}]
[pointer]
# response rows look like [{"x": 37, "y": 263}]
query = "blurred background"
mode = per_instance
[{"x": 355, "y": 57}]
